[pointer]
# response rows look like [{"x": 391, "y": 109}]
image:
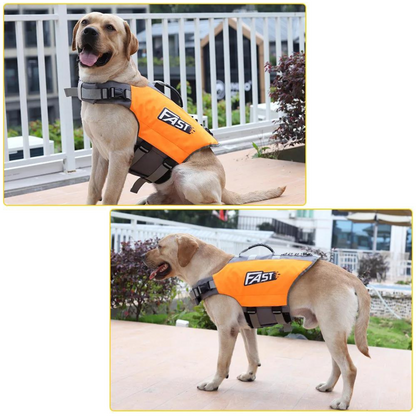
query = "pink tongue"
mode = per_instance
[
  {"x": 88, "y": 58},
  {"x": 154, "y": 273}
]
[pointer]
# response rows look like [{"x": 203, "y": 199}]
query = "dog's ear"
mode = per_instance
[
  {"x": 74, "y": 35},
  {"x": 187, "y": 247},
  {"x": 131, "y": 44}
]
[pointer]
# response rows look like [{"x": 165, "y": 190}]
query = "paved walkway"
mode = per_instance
[
  {"x": 157, "y": 367},
  {"x": 243, "y": 174}
]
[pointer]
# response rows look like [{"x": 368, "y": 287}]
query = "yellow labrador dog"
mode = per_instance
[
  {"x": 326, "y": 295},
  {"x": 105, "y": 44}
]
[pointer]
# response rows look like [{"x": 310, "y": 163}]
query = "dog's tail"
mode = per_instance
[
  {"x": 232, "y": 198},
  {"x": 361, "y": 324}
]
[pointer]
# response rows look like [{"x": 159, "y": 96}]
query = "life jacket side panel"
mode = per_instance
[
  {"x": 246, "y": 281},
  {"x": 151, "y": 107}
]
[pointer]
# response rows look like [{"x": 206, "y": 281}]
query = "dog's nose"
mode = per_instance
[{"x": 90, "y": 31}]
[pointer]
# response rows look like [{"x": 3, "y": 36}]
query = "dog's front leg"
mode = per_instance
[
  {"x": 250, "y": 343},
  {"x": 119, "y": 167},
  {"x": 228, "y": 336},
  {"x": 99, "y": 172}
]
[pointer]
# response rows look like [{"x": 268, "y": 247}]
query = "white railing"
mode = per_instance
[
  {"x": 398, "y": 264},
  {"x": 230, "y": 240},
  {"x": 69, "y": 159}
]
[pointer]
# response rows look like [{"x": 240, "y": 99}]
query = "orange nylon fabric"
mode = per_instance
[
  {"x": 148, "y": 105},
  {"x": 230, "y": 281}
]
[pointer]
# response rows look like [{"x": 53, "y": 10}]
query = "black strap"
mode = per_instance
[
  {"x": 257, "y": 245},
  {"x": 198, "y": 292},
  {"x": 260, "y": 317},
  {"x": 178, "y": 99}
]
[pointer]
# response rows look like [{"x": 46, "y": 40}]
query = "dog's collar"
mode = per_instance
[
  {"x": 113, "y": 92},
  {"x": 110, "y": 92}
]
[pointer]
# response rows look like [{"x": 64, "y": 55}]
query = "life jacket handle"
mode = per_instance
[
  {"x": 178, "y": 97},
  {"x": 257, "y": 245}
]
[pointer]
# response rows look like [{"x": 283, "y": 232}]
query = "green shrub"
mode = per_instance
[
  {"x": 221, "y": 111},
  {"x": 288, "y": 90},
  {"x": 173, "y": 61},
  {"x": 131, "y": 288},
  {"x": 373, "y": 266},
  {"x": 35, "y": 129},
  {"x": 277, "y": 331}
]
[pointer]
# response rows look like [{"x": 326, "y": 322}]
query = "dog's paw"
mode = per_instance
[
  {"x": 207, "y": 386},
  {"x": 339, "y": 404},
  {"x": 247, "y": 377},
  {"x": 324, "y": 388}
]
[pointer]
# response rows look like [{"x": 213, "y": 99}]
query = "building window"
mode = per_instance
[
  {"x": 13, "y": 119},
  {"x": 11, "y": 77},
  {"x": 304, "y": 213},
  {"x": 10, "y": 31},
  {"x": 30, "y": 29},
  {"x": 409, "y": 242},
  {"x": 349, "y": 235},
  {"x": 140, "y": 24},
  {"x": 105, "y": 11},
  {"x": 73, "y": 63},
  {"x": 35, "y": 114},
  {"x": 33, "y": 74}
]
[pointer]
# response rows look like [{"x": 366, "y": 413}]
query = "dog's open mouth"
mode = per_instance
[
  {"x": 88, "y": 57},
  {"x": 162, "y": 271}
]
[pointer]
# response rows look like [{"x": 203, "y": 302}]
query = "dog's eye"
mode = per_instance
[
  {"x": 84, "y": 22},
  {"x": 110, "y": 27}
]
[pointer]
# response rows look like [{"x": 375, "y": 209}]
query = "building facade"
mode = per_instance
[{"x": 329, "y": 229}]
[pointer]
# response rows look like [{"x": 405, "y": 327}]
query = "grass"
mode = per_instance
[
  {"x": 382, "y": 332},
  {"x": 388, "y": 333}
]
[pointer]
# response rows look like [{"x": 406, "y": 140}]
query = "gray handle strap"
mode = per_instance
[{"x": 257, "y": 245}]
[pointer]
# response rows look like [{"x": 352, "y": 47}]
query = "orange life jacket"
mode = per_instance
[
  {"x": 260, "y": 284},
  {"x": 167, "y": 135}
]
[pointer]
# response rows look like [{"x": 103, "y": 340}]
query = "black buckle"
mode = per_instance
[
  {"x": 116, "y": 92},
  {"x": 204, "y": 288},
  {"x": 276, "y": 311},
  {"x": 251, "y": 311}
]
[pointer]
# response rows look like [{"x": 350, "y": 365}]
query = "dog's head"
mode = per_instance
[
  {"x": 103, "y": 40},
  {"x": 172, "y": 257}
]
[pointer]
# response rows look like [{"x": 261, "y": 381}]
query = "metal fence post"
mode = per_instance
[{"x": 64, "y": 81}]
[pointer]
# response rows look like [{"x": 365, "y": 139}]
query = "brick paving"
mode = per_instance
[
  {"x": 243, "y": 174},
  {"x": 157, "y": 367}
]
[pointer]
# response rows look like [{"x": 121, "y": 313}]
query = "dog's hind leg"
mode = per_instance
[
  {"x": 333, "y": 378},
  {"x": 250, "y": 343},
  {"x": 228, "y": 335},
  {"x": 197, "y": 187},
  {"x": 336, "y": 322},
  {"x": 99, "y": 172}
]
